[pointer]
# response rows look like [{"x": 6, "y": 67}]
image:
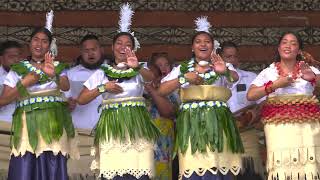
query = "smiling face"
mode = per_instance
[
  {"x": 289, "y": 47},
  {"x": 202, "y": 46},
  {"x": 119, "y": 47},
  {"x": 39, "y": 46}
]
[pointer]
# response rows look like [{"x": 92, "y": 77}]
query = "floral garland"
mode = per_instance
[
  {"x": 208, "y": 77},
  {"x": 295, "y": 74},
  {"x": 117, "y": 73},
  {"x": 25, "y": 67},
  {"x": 40, "y": 99},
  {"x": 200, "y": 104}
]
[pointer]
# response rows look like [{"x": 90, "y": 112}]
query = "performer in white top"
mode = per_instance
[
  {"x": 207, "y": 139},
  {"x": 43, "y": 133},
  {"x": 291, "y": 114},
  {"x": 84, "y": 117},
  {"x": 125, "y": 134},
  {"x": 10, "y": 53},
  {"x": 245, "y": 114}
]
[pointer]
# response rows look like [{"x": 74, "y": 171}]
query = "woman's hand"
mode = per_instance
[
  {"x": 306, "y": 71},
  {"x": 48, "y": 66},
  {"x": 282, "y": 82},
  {"x": 193, "y": 78},
  {"x": 113, "y": 87},
  {"x": 30, "y": 79},
  {"x": 219, "y": 65},
  {"x": 132, "y": 60}
]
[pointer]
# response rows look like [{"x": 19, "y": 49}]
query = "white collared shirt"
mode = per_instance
[
  {"x": 7, "y": 110},
  {"x": 83, "y": 116},
  {"x": 239, "y": 91}
]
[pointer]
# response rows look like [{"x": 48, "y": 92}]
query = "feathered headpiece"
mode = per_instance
[
  {"x": 202, "y": 24},
  {"x": 126, "y": 14},
  {"x": 53, "y": 45}
]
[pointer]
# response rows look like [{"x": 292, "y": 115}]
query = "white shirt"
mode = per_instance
[
  {"x": 132, "y": 87},
  {"x": 300, "y": 86},
  {"x": 7, "y": 110},
  {"x": 239, "y": 91},
  {"x": 83, "y": 116}
]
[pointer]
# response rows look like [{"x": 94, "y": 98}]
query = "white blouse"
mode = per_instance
[
  {"x": 300, "y": 86},
  {"x": 12, "y": 78},
  {"x": 131, "y": 88}
]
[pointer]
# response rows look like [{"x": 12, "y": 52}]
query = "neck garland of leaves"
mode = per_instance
[
  {"x": 25, "y": 67},
  {"x": 208, "y": 77},
  {"x": 117, "y": 73}
]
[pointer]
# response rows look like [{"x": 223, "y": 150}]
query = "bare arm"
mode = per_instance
[
  {"x": 165, "y": 107},
  {"x": 255, "y": 92},
  {"x": 146, "y": 74},
  {"x": 168, "y": 87},
  {"x": 64, "y": 83},
  {"x": 87, "y": 95},
  {"x": 10, "y": 94}
]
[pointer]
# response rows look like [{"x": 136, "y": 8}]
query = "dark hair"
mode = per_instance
[
  {"x": 300, "y": 42},
  {"x": 112, "y": 61},
  {"x": 201, "y": 32},
  {"x": 226, "y": 44},
  {"x": 89, "y": 37},
  {"x": 43, "y": 30},
  {"x": 9, "y": 44},
  {"x": 157, "y": 55},
  {"x": 123, "y": 34}
]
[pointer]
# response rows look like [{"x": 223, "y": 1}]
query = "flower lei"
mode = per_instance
[
  {"x": 295, "y": 74},
  {"x": 25, "y": 67},
  {"x": 117, "y": 73},
  {"x": 208, "y": 77}
]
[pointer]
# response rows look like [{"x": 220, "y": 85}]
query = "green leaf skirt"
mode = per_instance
[
  {"x": 125, "y": 122},
  {"x": 47, "y": 118},
  {"x": 206, "y": 127}
]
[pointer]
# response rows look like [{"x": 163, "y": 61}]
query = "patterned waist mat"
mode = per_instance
[
  {"x": 122, "y": 102},
  {"x": 291, "y": 109},
  {"x": 202, "y": 104},
  {"x": 39, "y": 99}
]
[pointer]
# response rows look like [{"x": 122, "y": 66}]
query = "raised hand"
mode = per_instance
[
  {"x": 48, "y": 66},
  {"x": 306, "y": 71},
  {"x": 219, "y": 65},
  {"x": 132, "y": 60},
  {"x": 113, "y": 87}
]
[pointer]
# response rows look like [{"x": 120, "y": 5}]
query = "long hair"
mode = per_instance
[{"x": 300, "y": 42}]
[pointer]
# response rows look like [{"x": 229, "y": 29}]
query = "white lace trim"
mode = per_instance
[
  {"x": 137, "y": 173},
  {"x": 65, "y": 145},
  {"x": 113, "y": 158},
  {"x": 223, "y": 170},
  {"x": 138, "y": 145}
]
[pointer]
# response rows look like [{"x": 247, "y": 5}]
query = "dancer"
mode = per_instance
[
  {"x": 42, "y": 127},
  {"x": 125, "y": 134},
  {"x": 207, "y": 139},
  {"x": 291, "y": 113}
]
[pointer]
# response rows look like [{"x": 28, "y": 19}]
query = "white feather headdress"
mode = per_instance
[
  {"x": 202, "y": 24},
  {"x": 125, "y": 21},
  {"x": 53, "y": 45}
]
